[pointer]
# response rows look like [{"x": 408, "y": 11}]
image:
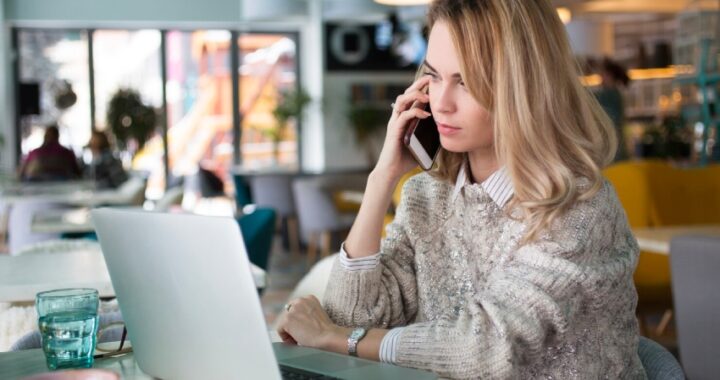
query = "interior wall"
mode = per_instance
[
  {"x": 341, "y": 149},
  {"x": 7, "y": 150},
  {"x": 93, "y": 11}
]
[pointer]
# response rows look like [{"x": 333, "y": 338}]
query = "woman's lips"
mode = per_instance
[{"x": 447, "y": 130}]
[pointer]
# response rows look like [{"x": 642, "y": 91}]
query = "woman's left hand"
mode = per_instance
[{"x": 307, "y": 324}]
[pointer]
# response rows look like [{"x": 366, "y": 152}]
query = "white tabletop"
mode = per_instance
[
  {"x": 58, "y": 221},
  {"x": 657, "y": 239},
  {"x": 21, "y": 277}
]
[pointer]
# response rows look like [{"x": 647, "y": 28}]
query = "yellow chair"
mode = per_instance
[
  {"x": 652, "y": 276},
  {"x": 654, "y": 194}
]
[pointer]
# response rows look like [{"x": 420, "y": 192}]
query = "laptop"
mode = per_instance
[{"x": 186, "y": 292}]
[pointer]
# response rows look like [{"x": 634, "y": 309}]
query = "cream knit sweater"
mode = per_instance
[{"x": 475, "y": 305}]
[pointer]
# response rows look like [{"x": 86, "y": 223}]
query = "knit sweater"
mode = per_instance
[{"x": 476, "y": 304}]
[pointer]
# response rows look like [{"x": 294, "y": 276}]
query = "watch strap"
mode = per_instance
[{"x": 355, "y": 336}]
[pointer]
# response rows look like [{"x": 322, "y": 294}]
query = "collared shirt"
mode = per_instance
[{"x": 500, "y": 189}]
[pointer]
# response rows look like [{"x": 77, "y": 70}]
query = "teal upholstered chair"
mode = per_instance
[
  {"x": 658, "y": 362},
  {"x": 242, "y": 192},
  {"x": 257, "y": 230}
]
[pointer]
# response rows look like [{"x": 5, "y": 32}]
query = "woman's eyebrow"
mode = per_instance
[{"x": 429, "y": 66}]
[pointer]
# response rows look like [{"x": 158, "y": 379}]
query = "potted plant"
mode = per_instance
[
  {"x": 290, "y": 107},
  {"x": 367, "y": 123},
  {"x": 131, "y": 121}
]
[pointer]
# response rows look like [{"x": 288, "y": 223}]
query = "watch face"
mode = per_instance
[{"x": 357, "y": 334}]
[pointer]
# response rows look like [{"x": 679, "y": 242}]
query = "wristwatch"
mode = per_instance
[{"x": 355, "y": 337}]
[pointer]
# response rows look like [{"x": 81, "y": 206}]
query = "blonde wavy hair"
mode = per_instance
[{"x": 549, "y": 130}]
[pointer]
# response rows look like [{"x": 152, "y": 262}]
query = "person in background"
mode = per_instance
[
  {"x": 513, "y": 257},
  {"x": 106, "y": 169},
  {"x": 51, "y": 161},
  {"x": 614, "y": 78}
]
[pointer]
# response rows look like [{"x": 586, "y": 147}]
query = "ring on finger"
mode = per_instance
[{"x": 287, "y": 307}]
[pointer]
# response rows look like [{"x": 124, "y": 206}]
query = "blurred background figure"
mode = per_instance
[
  {"x": 614, "y": 79},
  {"x": 105, "y": 168},
  {"x": 51, "y": 161}
]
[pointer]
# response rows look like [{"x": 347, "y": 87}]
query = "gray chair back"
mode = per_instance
[
  {"x": 695, "y": 269},
  {"x": 273, "y": 191},
  {"x": 658, "y": 362},
  {"x": 20, "y": 232},
  {"x": 316, "y": 210}
]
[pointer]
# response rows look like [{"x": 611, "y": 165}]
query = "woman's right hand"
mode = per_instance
[{"x": 395, "y": 160}]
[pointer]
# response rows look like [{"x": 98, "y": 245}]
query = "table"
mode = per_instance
[
  {"x": 63, "y": 221},
  {"x": 21, "y": 277},
  {"x": 657, "y": 239},
  {"x": 17, "y": 365}
]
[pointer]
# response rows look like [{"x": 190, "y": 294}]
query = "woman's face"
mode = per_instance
[{"x": 464, "y": 125}]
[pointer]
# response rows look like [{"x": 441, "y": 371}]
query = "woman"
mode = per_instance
[
  {"x": 105, "y": 168},
  {"x": 614, "y": 78},
  {"x": 513, "y": 258}
]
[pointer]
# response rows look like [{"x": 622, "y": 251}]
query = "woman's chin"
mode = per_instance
[{"x": 453, "y": 146}]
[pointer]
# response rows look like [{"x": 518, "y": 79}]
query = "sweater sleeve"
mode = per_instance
[
  {"x": 528, "y": 302},
  {"x": 378, "y": 291}
]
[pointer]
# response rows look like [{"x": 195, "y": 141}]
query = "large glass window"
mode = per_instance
[
  {"x": 131, "y": 60},
  {"x": 268, "y": 69},
  {"x": 199, "y": 101},
  {"x": 198, "y": 94},
  {"x": 54, "y": 87}
]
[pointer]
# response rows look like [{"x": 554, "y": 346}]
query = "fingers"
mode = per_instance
[
  {"x": 406, "y": 100},
  {"x": 418, "y": 84},
  {"x": 413, "y": 113}
]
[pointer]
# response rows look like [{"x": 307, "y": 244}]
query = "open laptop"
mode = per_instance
[{"x": 192, "y": 311}]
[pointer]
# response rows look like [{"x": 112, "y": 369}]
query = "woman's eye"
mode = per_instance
[{"x": 433, "y": 76}]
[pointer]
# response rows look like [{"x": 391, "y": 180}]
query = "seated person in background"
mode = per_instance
[
  {"x": 51, "y": 161},
  {"x": 512, "y": 258},
  {"x": 105, "y": 168},
  {"x": 609, "y": 95}
]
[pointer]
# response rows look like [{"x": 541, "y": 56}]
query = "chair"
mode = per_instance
[
  {"x": 695, "y": 264},
  {"x": 20, "y": 224},
  {"x": 257, "y": 230},
  {"x": 314, "y": 282},
  {"x": 659, "y": 363},
  {"x": 242, "y": 191},
  {"x": 652, "y": 276},
  {"x": 173, "y": 196},
  {"x": 318, "y": 216},
  {"x": 274, "y": 191}
]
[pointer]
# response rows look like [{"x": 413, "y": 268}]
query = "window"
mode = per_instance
[
  {"x": 199, "y": 101},
  {"x": 54, "y": 87},
  {"x": 131, "y": 60},
  {"x": 268, "y": 68}
]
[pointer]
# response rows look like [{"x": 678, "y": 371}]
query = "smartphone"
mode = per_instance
[{"x": 423, "y": 140}]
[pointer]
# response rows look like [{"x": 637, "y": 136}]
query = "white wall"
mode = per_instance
[
  {"x": 93, "y": 11},
  {"x": 7, "y": 151},
  {"x": 311, "y": 78}
]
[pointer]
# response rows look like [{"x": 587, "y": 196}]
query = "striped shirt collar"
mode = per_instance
[{"x": 498, "y": 186}]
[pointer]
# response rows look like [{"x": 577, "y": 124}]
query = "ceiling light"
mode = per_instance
[{"x": 565, "y": 15}]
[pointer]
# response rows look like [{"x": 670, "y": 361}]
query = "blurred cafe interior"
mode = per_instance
[{"x": 274, "y": 113}]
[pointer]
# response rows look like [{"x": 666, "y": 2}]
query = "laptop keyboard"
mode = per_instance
[{"x": 289, "y": 373}]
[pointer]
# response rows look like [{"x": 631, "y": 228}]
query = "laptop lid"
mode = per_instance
[{"x": 184, "y": 286}]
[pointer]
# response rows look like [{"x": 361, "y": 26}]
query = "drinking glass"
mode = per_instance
[{"x": 68, "y": 321}]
